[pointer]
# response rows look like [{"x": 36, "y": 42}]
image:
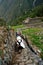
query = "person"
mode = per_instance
[{"x": 20, "y": 42}]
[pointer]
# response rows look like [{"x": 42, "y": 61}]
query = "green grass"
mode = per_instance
[
  {"x": 36, "y": 36},
  {"x": 17, "y": 27}
]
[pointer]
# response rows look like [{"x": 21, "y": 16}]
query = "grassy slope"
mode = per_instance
[
  {"x": 17, "y": 27},
  {"x": 36, "y": 36}
]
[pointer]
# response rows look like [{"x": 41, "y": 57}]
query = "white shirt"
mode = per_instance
[{"x": 19, "y": 39}]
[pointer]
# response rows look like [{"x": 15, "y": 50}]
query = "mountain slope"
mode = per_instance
[{"x": 11, "y": 9}]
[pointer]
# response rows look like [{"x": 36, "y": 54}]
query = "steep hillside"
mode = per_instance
[
  {"x": 11, "y": 9},
  {"x": 35, "y": 12}
]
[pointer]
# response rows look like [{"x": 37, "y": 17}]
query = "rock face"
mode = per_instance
[
  {"x": 6, "y": 45},
  {"x": 10, "y": 57}
]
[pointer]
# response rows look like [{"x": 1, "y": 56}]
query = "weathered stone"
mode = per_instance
[
  {"x": 29, "y": 61},
  {"x": 26, "y": 57},
  {"x": 15, "y": 64},
  {"x": 21, "y": 63},
  {"x": 35, "y": 61}
]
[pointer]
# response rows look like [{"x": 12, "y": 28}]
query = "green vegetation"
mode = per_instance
[
  {"x": 17, "y": 27},
  {"x": 36, "y": 12},
  {"x": 36, "y": 36},
  {"x": 2, "y": 22}
]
